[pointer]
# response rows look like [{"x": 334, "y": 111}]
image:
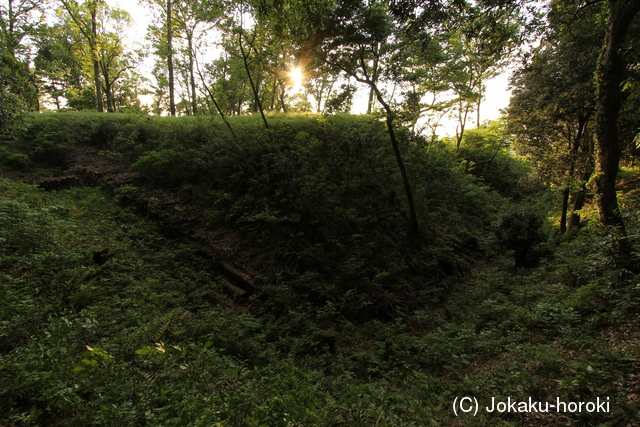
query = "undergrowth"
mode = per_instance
[
  {"x": 321, "y": 195},
  {"x": 148, "y": 338}
]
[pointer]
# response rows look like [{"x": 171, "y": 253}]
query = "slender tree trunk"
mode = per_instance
[
  {"x": 253, "y": 86},
  {"x": 96, "y": 82},
  {"x": 257, "y": 102},
  {"x": 565, "y": 208},
  {"x": 274, "y": 92},
  {"x": 172, "y": 99},
  {"x": 415, "y": 229},
  {"x": 282, "y": 93},
  {"x": 108, "y": 91},
  {"x": 36, "y": 89},
  {"x": 578, "y": 201},
  {"x": 194, "y": 98},
  {"x": 396, "y": 150},
  {"x": 578, "y": 197},
  {"x": 94, "y": 52},
  {"x": 374, "y": 79},
  {"x": 462, "y": 119},
  {"x": 609, "y": 77},
  {"x": 215, "y": 103},
  {"x": 578, "y": 204},
  {"x": 8, "y": 37},
  {"x": 108, "y": 85}
]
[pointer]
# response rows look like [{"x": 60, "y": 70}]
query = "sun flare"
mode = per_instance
[{"x": 297, "y": 78}]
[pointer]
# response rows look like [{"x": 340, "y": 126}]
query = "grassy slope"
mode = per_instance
[{"x": 165, "y": 347}]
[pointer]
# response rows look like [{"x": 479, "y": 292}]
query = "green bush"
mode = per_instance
[
  {"x": 520, "y": 231},
  {"x": 484, "y": 153}
]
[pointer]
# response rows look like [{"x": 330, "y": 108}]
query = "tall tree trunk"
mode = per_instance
[
  {"x": 8, "y": 37},
  {"x": 108, "y": 85},
  {"x": 396, "y": 150},
  {"x": 257, "y": 102},
  {"x": 478, "y": 111},
  {"x": 578, "y": 197},
  {"x": 609, "y": 77},
  {"x": 108, "y": 91},
  {"x": 274, "y": 92},
  {"x": 172, "y": 99},
  {"x": 96, "y": 82},
  {"x": 578, "y": 201},
  {"x": 194, "y": 98},
  {"x": 462, "y": 120},
  {"x": 374, "y": 79},
  {"x": 94, "y": 53},
  {"x": 565, "y": 208},
  {"x": 282, "y": 93}
]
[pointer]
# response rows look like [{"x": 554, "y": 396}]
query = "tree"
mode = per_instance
[
  {"x": 12, "y": 105},
  {"x": 519, "y": 230},
  {"x": 58, "y": 68},
  {"x": 393, "y": 46},
  {"x": 68, "y": 51},
  {"x": 246, "y": 43},
  {"x": 228, "y": 85},
  {"x": 162, "y": 33},
  {"x": 85, "y": 18},
  {"x": 553, "y": 103},
  {"x": 485, "y": 153},
  {"x": 290, "y": 33},
  {"x": 341, "y": 101},
  {"x": 365, "y": 42},
  {"x": 568, "y": 60},
  {"x": 472, "y": 59},
  {"x": 267, "y": 58},
  {"x": 21, "y": 20},
  {"x": 192, "y": 19},
  {"x": 114, "y": 61},
  {"x": 610, "y": 74}
]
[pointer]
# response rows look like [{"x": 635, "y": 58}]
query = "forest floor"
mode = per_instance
[{"x": 502, "y": 332}]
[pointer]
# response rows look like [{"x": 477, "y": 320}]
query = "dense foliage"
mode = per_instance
[
  {"x": 148, "y": 337},
  {"x": 320, "y": 194},
  {"x": 253, "y": 264}
]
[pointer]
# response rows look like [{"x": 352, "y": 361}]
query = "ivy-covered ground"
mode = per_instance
[{"x": 145, "y": 335}]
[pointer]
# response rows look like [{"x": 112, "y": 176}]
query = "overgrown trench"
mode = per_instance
[{"x": 229, "y": 253}]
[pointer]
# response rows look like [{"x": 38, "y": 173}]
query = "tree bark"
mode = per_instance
[
  {"x": 478, "y": 110},
  {"x": 194, "y": 98},
  {"x": 565, "y": 208},
  {"x": 609, "y": 76},
  {"x": 578, "y": 200},
  {"x": 374, "y": 79},
  {"x": 371, "y": 91},
  {"x": 172, "y": 99},
  {"x": 94, "y": 53},
  {"x": 580, "y": 143},
  {"x": 462, "y": 120},
  {"x": 108, "y": 91}
]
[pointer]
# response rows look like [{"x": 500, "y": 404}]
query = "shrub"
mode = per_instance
[{"x": 520, "y": 231}]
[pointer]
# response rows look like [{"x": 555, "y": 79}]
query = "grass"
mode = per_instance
[{"x": 148, "y": 338}]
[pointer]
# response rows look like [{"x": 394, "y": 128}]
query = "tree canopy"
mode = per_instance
[{"x": 413, "y": 63}]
